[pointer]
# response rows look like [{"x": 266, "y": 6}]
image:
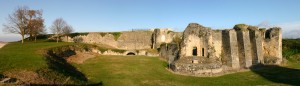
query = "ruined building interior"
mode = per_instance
[{"x": 198, "y": 50}]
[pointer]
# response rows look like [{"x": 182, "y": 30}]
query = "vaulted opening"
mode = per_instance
[
  {"x": 194, "y": 51},
  {"x": 202, "y": 51},
  {"x": 130, "y": 53}
]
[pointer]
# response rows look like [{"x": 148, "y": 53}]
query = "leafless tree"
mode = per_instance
[
  {"x": 57, "y": 28},
  {"x": 35, "y": 24},
  {"x": 23, "y": 21},
  {"x": 37, "y": 28},
  {"x": 67, "y": 31},
  {"x": 17, "y": 22}
]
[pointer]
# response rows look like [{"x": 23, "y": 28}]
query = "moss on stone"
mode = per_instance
[
  {"x": 78, "y": 34},
  {"x": 240, "y": 27},
  {"x": 116, "y": 35},
  {"x": 252, "y": 28},
  {"x": 118, "y": 50},
  {"x": 102, "y": 49},
  {"x": 170, "y": 31},
  {"x": 102, "y": 34}
]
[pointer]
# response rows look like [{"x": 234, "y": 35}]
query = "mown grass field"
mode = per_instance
[
  {"x": 25, "y": 56},
  {"x": 148, "y": 71}
]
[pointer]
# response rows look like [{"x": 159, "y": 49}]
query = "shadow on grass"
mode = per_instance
[
  {"x": 94, "y": 84},
  {"x": 57, "y": 63},
  {"x": 278, "y": 74}
]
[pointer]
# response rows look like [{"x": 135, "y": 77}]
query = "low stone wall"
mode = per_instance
[{"x": 130, "y": 40}]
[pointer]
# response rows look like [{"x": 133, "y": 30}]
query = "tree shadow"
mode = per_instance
[
  {"x": 60, "y": 65},
  {"x": 278, "y": 74},
  {"x": 57, "y": 61},
  {"x": 94, "y": 84}
]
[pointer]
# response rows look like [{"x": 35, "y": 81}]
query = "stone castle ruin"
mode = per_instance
[{"x": 198, "y": 50}]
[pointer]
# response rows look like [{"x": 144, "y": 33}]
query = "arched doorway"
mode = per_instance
[
  {"x": 195, "y": 51},
  {"x": 130, "y": 53}
]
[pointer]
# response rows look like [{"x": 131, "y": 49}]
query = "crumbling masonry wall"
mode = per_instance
[
  {"x": 238, "y": 48},
  {"x": 130, "y": 40}
]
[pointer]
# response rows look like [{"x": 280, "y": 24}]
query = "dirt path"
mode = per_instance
[{"x": 2, "y": 44}]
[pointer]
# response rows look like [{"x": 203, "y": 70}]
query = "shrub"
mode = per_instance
[
  {"x": 77, "y": 39},
  {"x": 240, "y": 27},
  {"x": 102, "y": 34},
  {"x": 116, "y": 35},
  {"x": 78, "y": 34}
]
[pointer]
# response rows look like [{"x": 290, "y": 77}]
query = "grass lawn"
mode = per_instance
[
  {"x": 142, "y": 70},
  {"x": 24, "y": 56}
]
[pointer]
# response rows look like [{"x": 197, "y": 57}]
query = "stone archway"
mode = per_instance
[
  {"x": 130, "y": 53},
  {"x": 195, "y": 51}
]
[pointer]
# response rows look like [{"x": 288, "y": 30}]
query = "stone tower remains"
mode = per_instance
[
  {"x": 199, "y": 50},
  {"x": 207, "y": 51}
]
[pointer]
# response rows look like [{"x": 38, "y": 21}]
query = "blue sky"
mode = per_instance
[{"x": 123, "y": 15}]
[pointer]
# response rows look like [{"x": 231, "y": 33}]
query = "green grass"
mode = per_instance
[
  {"x": 151, "y": 71},
  {"x": 142, "y": 70},
  {"x": 24, "y": 56},
  {"x": 77, "y": 34},
  {"x": 290, "y": 48}
]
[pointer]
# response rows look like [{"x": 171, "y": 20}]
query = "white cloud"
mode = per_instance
[
  {"x": 290, "y": 30},
  {"x": 9, "y": 37}
]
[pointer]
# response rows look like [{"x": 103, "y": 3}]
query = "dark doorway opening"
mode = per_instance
[
  {"x": 202, "y": 51},
  {"x": 194, "y": 51},
  {"x": 130, "y": 53}
]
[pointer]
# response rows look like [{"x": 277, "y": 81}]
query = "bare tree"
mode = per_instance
[
  {"x": 67, "y": 31},
  {"x": 23, "y": 21},
  {"x": 35, "y": 24},
  {"x": 37, "y": 28},
  {"x": 17, "y": 22},
  {"x": 57, "y": 28}
]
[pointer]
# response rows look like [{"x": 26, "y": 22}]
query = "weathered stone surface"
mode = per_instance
[
  {"x": 199, "y": 49},
  {"x": 169, "y": 52},
  {"x": 245, "y": 52},
  {"x": 203, "y": 67},
  {"x": 256, "y": 41},
  {"x": 273, "y": 45},
  {"x": 234, "y": 49}
]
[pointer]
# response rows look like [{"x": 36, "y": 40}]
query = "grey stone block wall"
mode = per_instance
[
  {"x": 233, "y": 55},
  {"x": 245, "y": 52}
]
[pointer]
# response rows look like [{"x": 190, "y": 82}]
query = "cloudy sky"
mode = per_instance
[{"x": 122, "y": 15}]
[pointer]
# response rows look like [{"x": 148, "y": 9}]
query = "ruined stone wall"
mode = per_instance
[
  {"x": 135, "y": 40},
  {"x": 161, "y": 36},
  {"x": 272, "y": 46},
  {"x": 131, "y": 40},
  {"x": 230, "y": 49},
  {"x": 217, "y": 42},
  {"x": 238, "y": 48},
  {"x": 197, "y": 36}
]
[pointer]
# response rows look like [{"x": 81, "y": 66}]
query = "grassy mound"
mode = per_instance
[{"x": 40, "y": 63}]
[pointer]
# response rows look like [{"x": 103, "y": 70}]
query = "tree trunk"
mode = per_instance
[
  {"x": 57, "y": 39},
  {"x": 67, "y": 39},
  {"x": 30, "y": 38},
  {"x": 34, "y": 38},
  {"x": 22, "y": 39}
]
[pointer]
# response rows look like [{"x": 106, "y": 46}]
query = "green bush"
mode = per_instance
[
  {"x": 102, "y": 34},
  {"x": 116, "y": 35},
  {"x": 78, "y": 34},
  {"x": 170, "y": 31},
  {"x": 240, "y": 27},
  {"x": 290, "y": 47}
]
